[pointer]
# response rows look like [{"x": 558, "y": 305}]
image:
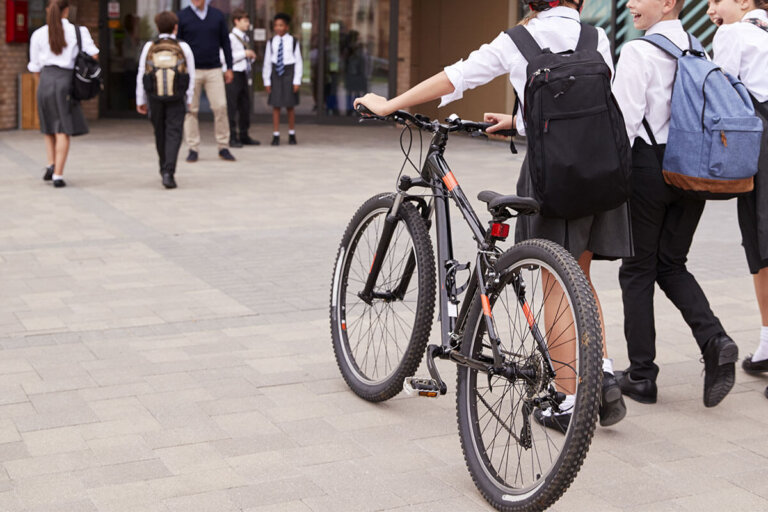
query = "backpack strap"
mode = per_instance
[
  {"x": 647, "y": 127},
  {"x": 525, "y": 42},
  {"x": 695, "y": 44},
  {"x": 79, "y": 38},
  {"x": 756, "y": 22},
  {"x": 587, "y": 37},
  {"x": 663, "y": 43}
]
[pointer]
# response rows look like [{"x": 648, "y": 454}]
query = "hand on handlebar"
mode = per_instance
[
  {"x": 379, "y": 105},
  {"x": 501, "y": 122}
]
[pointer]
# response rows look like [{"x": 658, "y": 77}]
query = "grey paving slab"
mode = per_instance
[{"x": 166, "y": 351}]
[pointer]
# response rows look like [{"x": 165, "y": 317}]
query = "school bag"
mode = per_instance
[
  {"x": 87, "y": 80},
  {"x": 714, "y": 135},
  {"x": 578, "y": 151},
  {"x": 165, "y": 73}
]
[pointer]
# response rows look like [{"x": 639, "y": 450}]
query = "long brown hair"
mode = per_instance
[
  {"x": 762, "y": 4},
  {"x": 55, "y": 28}
]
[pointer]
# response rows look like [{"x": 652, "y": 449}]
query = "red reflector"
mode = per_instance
[{"x": 499, "y": 230}]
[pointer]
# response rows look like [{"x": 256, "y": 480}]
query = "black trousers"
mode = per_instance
[
  {"x": 168, "y": 119},
  {"x": 663, "y": 224},
  {"x": 239, "y": 105}
]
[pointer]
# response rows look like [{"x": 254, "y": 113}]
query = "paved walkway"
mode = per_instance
[{"x": 169, "y": 350}]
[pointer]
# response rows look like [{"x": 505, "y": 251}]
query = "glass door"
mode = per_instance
[{"x": 357, "y": 53}]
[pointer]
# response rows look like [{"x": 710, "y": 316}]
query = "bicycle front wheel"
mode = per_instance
[
  {"x": 515, "y": 461},
  {"x": 380, "y": 341}
]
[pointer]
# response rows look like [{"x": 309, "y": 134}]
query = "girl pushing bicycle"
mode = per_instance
[{"x": 554, "y": 25}]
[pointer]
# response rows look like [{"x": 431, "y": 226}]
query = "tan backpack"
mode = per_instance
[{"x": 166, "y": 77}]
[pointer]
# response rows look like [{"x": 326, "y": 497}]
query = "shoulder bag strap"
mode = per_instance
[
  {"x": 756, "y": 22},
  {"x": 587, "y": 37},
  {"x": 647, "y": 127},
  {"x": 525, "y": 42},
  {"x": 79, "y": 38}
]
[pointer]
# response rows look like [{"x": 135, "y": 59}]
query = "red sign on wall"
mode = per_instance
[{"x": 16, "y": 21}]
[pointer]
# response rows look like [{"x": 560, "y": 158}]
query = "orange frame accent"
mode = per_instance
[{"x": 450, "y": 181}]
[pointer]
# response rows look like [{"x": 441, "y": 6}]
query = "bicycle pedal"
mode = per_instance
[{"x": 421, "y": 387}]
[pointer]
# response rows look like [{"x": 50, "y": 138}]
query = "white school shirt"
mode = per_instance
[
  {"x": 40, "y": 53},
  {"x": 645, "y": 75},
  {"x": 238, "y": 51},
  {"x": 289, "y": 57},
  {"x": 557, "y": 29},
  {"x": 141, "y": 94},
  {"x": 741, "y": 49}
]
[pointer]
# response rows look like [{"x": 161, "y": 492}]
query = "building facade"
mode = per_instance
[{"x": 349, "y": 47}]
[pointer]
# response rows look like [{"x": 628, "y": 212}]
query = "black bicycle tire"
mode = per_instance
[
  {"x": 587, "y": 402},
  {"x": 412, "y": 355}
]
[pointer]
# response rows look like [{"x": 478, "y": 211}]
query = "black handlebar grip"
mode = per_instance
[{"x": 363, "y": 110}]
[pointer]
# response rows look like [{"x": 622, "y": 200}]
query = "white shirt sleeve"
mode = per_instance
[
  {"x": 604, "y": 47},
  {"x": 483, "y": 65},
  {"x": 266, "y": 70},
  {"x": 141, "y": 94},
  {"x": 629, "y": 88},
  {"x": 298, "y": 66},
  {"x": 190, "y": 57},
  {"x": 238, "y": 51},
  {"x": 35, "y": 64},
  {"x": 88, "y": 45},
  {"x": 727, "y": 49}
]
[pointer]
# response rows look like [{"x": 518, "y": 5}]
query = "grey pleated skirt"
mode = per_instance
[
  {"x": 58, "y": 112},
  {"x": 608, "y": 234},
  {"x": 282, "y": 94}
]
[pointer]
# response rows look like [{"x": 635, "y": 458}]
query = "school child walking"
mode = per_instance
[
  {"x": 282, "y": 75},
  {"x": 52, "y": 51},
  {"x": 238, "y": 91},
  {"x": 554, "y": 25},
  {"x": 741, "y": 48},
  {"x": 663, "y": 219},
  {"x": 167, "y": 69}
]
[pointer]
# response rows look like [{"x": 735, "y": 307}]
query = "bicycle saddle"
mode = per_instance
[{"x": 497, "y": 203}]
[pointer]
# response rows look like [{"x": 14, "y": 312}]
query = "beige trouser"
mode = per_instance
[{"x": 213, "y": 82}]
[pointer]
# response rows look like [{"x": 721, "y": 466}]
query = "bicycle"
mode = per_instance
[{"x": 521, "y": 306}]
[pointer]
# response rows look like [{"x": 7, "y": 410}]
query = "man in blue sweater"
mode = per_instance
[{"x": 205, "y": 29}]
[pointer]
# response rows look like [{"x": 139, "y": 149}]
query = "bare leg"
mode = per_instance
[
  {"x": 585, "y": 262},
  {"x": 291, "y": 118},
  {"x": 761, "y": 292},
  {"x": 276, "y": 119},
  {"x": 61, "y": 152},
  {"x": 560, "y": 333},
  {"x": 50, "y": 149}
]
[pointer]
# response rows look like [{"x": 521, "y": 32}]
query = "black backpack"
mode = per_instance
[
  {"x": 578, "y": 150},
  {"x": 87, "y": 82}
]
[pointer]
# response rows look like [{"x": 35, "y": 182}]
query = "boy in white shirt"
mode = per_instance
[
  {"x": 167, "y": 115},
  {"x": 663, "y": 220},
  {"x": 238, "y": 90}
]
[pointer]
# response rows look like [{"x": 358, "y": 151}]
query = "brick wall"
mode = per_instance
[
  {"x": 404, "y": 52},
  {"x": 14, "y": 58}
]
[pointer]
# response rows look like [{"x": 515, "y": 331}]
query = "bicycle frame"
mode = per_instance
[{"x": 437, "y": 175}]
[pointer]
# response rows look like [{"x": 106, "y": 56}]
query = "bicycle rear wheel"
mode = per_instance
[
  {"x": 380, "y": 342},
  {"x": 516, "y": 462}
]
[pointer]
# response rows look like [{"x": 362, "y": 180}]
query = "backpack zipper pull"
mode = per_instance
[
  {"x": 723, "y": 138},
  {"x": 546, "y": 126}
]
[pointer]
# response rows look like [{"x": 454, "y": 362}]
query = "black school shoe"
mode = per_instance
[
  {"x": 48, "y": 176},
  {"x": 169, "y": 181},
  {"x": 754, "y": 367},
  {"x": 192, "y": 156},
  {"x": 234, "y": 143},
  {"x": 224, "y": 154},
  {"x": 292, "y": 139},
  {"x": 247, "y": 141},
  {"x": 556, "y": 421},
  {"x": 275, "y": 140},
  {"x": 720, "y": 356},
  {"x": 612, "y": 406},
  {"x": 59, "y": 183},
  {"x": 639, "y": 390}
]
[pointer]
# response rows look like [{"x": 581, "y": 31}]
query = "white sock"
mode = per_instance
[
  {"x": 275, "y": 134},
  {"x": 608, "y": 365},
  {"x": 291, "y": 132},
  {"x": 57, "y": 177},
  {"x": 565, "y": 407},
  {"x": 761, "y": 353}
]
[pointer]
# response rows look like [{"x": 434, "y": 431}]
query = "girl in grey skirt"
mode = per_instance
[
  {"x": 282, "y": 75},
  {"x": 52, "y": 52},
  {"x": 605, "y": 235}
]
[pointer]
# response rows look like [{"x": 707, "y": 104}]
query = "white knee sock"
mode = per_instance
[
  {"x": 762, "y": 351},
  {"x": 608, "y": 365},
  {"x": 565, "y": 406}
]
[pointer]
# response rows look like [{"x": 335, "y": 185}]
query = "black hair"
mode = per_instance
[{"x": 282, "y": 16}]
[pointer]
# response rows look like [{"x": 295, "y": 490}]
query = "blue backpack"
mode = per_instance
[{"x": 714, "y": 134}]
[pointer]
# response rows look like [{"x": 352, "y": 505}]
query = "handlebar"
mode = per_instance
[{"x": 452, "y": 124}]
